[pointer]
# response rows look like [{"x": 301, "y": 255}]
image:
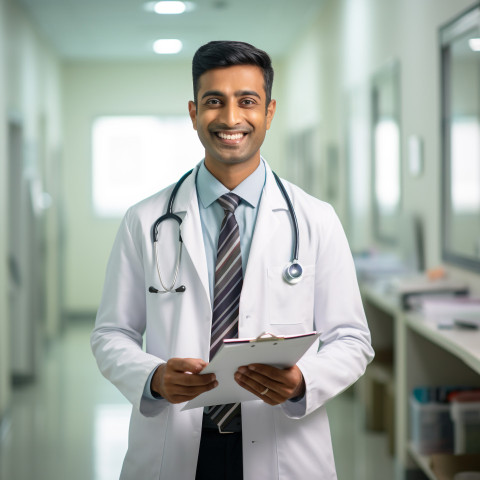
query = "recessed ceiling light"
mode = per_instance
[
  {"x": 167, "y": 46},
  {"x": 474, "y": 44},
  {"x": 168, "y": 7}
]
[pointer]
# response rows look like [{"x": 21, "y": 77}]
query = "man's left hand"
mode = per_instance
[{"x": 282, "y": 384}]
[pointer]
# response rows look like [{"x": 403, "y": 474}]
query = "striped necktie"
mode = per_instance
[{"x": 226, "y": 299}]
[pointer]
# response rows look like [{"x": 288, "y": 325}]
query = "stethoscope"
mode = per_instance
[{"x": 292, "y": 273}]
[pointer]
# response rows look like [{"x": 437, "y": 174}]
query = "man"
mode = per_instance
[{"x": 232, "y": 199}]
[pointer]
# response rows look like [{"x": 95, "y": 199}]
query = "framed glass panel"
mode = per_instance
[
  {"x": 386, "y": 154},
  {"x": 460, "y": 51}
]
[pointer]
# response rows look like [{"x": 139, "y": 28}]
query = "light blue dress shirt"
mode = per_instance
[{"x": 209, "y": 189}]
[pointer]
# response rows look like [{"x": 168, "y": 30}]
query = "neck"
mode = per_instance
[{"x": 232, "y": 175}]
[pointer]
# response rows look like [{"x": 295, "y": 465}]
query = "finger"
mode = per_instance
[
  {"x": 258, "y": 378},
  {"x": 188, "y": 379},
  {"x": 281, "y": 375},
  {"x": 286, "y": 378},
  {"x": 283, "y": 390},
  {"x": 263, "y": 369},
  {"x": 254, "y": 386},
  {"x": 192, "y": 379},
  {"x": 271, "y": 397},
  {"x": 184, "y": 371},
  {"x": 193, "y": 391},
  {"x": 193, "y": 365},
  {"x": 179, "y": 394}
]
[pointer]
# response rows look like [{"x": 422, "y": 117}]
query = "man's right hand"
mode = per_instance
[{"x": 179, "y": 379}]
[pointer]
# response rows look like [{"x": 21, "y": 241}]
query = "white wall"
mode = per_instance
[
  {"x": 347, "y": 44},
  {"x": 30, "y": 93},
  {"x": 4, "y": 330},
  {"x": 33, "y": 98}
]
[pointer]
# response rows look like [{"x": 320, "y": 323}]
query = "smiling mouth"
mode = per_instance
[{"x": 230, "y": 136}]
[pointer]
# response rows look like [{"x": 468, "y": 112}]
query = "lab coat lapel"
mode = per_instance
[
  {"x": 266, "y": 225},
  {"x": 191, "y": 229}
]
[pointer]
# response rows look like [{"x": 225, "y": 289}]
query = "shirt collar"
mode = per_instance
[{"x": 250, "y": 190}]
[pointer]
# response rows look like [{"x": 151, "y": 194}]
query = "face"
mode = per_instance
[{"x": 230, "y": 117}]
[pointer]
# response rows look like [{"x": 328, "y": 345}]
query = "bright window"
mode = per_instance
[
  {"x": 136, "y": 156},
  {"x": 465, "y": 175},
  {"x": 387, "y": 165}
]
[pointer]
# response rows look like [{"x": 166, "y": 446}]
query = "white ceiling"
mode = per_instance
[{"x": 123, "y": 29}]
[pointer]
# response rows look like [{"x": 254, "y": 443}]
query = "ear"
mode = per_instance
[
  {"x": 271, "y": 112},
  {"x": 192, "y": 111}
]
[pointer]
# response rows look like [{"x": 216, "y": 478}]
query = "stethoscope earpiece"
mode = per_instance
[
  {"x": 179, "y": 289},
  {"x": 293, "y": 273}
]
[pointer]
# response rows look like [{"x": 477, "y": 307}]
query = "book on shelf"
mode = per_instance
[{"x": 446, "y": 466}]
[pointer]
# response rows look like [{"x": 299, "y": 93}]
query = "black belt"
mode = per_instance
[{"x": 235, "y": 425}]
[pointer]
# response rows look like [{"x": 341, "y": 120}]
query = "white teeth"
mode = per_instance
[{"x": 235, "y": 136}]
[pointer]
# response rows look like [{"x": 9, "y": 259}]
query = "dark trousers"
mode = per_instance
[{"x": 220, "y": 456}]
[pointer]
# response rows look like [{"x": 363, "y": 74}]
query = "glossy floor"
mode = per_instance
[{"x": 72, "y": 424}]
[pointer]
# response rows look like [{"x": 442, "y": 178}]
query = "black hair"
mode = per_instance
[{"x": 219, "y": 54}]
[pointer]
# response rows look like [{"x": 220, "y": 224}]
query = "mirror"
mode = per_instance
[
  {"x": 460, "y": 44},
  {"x": 386, "y": 166}
]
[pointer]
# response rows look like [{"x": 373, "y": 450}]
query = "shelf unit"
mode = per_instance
[
  {"x": 462, "y": 343},
  {"x": 422, "y": 461},
  {"x": 423, "y": 355}
]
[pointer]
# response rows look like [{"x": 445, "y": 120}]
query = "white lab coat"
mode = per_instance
[{"x": 286, "y": 442}]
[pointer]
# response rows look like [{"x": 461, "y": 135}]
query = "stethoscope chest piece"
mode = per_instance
[{"x": 293, "y": 272}]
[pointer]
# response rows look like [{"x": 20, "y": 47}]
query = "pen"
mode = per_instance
[{"x": 467, "y": 324}]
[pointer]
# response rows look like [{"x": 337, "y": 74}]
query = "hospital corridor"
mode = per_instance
[
  {"x": 373, "y": 109},
  {"x": 73, "y": 424}
]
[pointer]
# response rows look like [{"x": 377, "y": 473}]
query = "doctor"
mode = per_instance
[{"x": 284, "y": 434}]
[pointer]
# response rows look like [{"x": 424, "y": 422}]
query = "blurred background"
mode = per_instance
[{"x": 378, "y": 113}]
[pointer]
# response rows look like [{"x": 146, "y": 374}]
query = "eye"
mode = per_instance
[
  {"x": 248, "y": 101},
  {"x": 212, "y": 101}
]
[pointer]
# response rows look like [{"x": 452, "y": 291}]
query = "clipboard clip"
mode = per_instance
[{"x": 266, "y": 337}]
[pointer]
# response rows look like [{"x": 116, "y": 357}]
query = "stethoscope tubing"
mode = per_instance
[
  {"x": 177, "y": 265},
  {"x": 292, "y": 273},
  {"x": 169, "y": 213},
  {"x": 293, "y": 216}
]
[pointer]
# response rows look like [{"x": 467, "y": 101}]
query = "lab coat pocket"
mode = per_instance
[{"x": 291, "y": 304}]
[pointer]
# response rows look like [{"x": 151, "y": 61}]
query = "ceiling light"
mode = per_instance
[
  {"x": 167, "y": 46},
  {"x": 167, "y": 7},
  {"x": 474, "y": 44}
]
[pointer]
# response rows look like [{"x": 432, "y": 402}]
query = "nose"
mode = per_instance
[{"x": 231, "y": 114}]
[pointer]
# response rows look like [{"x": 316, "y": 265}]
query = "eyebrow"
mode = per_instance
[{"x": 239, "y": 93}]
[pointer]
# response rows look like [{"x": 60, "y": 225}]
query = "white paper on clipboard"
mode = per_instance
[{"x": 280, "y": 352}]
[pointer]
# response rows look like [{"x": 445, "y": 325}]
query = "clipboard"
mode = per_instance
[{"x": 280, "y": 352}]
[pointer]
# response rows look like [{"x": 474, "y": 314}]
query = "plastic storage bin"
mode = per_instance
[
  {"x": 466, "y": 420},
  {"x": 431, "y": 427}
]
